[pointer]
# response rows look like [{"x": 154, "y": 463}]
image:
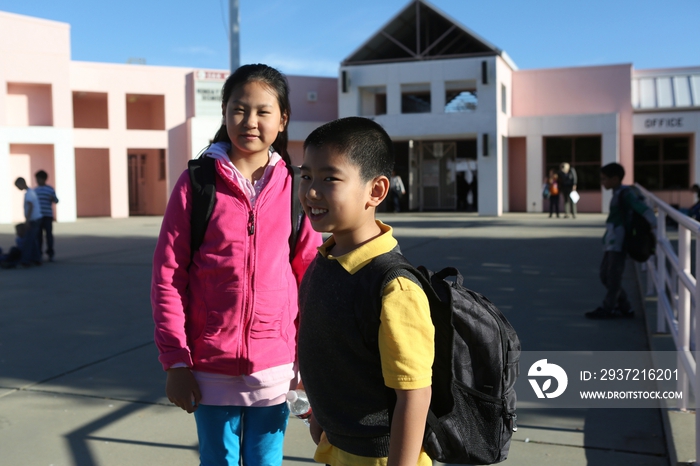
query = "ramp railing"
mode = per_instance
[{"x": 669, "y": 277}]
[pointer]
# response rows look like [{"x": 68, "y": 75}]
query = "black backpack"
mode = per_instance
[
  {"x": 640, "y": 241},
  {"x": 203, "y": 178},
  {"x": 472, "y": 408}
]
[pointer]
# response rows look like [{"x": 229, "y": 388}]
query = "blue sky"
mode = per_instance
[{"x": 311, "y": 37}]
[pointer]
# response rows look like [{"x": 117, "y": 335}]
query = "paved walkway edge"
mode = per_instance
[{"x": 679, "y": 426}]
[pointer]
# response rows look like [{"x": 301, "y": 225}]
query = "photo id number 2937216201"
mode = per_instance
[{"x": 630, "y": 374}]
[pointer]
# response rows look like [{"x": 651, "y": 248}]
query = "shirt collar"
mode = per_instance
[{"x": 361, "y": 256}]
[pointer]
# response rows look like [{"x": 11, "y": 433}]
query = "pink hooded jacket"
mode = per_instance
[{"x": 232, "y": 309}]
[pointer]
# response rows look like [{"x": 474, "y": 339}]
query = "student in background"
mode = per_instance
[
  {"x": 624, "y": 200},
  {"x": 568, "y": 179},
  {"x": 31, "y": 255},
  {"x": 47, "y": 197},
  {"x": 397, "y": 190},
  {"x": 553, "y": 184}
]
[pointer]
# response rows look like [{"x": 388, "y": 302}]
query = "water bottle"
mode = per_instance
[{"x": 299, "y": 405}]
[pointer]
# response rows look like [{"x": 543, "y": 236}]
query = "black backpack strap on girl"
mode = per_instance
[{"x": 203, "y": 179}]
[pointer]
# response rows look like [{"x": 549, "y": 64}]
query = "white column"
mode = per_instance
[
  {"x": 611, "y": 153},
  {"x": 490, "y": 181},
  {"x": 393, "y": 98},
  {"x": 64, "y": 166}
]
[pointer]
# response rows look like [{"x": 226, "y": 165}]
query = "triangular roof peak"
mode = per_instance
[{"x": 421, "y": 32}]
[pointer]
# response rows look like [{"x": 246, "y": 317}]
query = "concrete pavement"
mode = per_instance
[{"x": 80, "y": 383}]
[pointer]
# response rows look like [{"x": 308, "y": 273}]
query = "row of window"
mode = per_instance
[
  {"x": 660, "y": 163},
  {"x": 31, "y": 105},
  {"x": 460, "y": 97}
]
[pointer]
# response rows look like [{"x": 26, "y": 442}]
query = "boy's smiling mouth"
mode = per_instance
[{"x": 315, "y": 213}]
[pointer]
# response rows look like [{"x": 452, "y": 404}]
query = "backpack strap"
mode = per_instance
[
  {"x": 203, "y": 179},
  {"x": 297, "y": 210},
  {"x": 202, "y": 173}
]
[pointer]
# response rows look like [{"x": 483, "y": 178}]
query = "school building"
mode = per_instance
[{"x": 114, "y": 138}]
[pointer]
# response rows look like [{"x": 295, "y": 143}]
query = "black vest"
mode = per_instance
[{"x": 342, "y": 372}]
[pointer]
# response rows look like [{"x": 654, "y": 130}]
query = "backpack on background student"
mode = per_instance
[
  {"x": 640, "y": 240},
  {"x": 472, "y": 408}
]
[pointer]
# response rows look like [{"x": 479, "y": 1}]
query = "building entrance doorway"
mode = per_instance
[
  {"x": 438, "y": 188},
  {"x": 137, "y": 182}
]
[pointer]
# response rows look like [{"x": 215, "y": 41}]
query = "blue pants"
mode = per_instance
[
  {"x": 229, "y": 434},
  {"x": 30, "y": 246},
  {"x": 46, "y": 227}
]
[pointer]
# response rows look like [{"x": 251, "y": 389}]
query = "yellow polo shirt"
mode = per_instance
[{"x": 406, "y": 338}]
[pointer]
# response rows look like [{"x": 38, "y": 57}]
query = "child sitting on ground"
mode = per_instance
[
  {"x": 11, "y": 259},
  {"x": 345, "y": 176}
]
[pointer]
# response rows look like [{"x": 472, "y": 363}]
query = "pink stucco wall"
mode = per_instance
[
  {"x": 325, "y": 108},
  {"x": 29, "y": 105},
  {"x": 578, "y": 91},
  {"x": 35, "y": 63},
  {"x": 144, "y": 105}
]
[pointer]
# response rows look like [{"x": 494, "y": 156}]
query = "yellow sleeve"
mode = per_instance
[{"x": 406, "y": 336}]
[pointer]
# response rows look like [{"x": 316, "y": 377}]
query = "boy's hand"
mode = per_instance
[
  {"x": 182, "y": 389},
  {"x": 315, "y": 429}
]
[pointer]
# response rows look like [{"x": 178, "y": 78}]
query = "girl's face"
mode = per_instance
[{"x": 253, "y": 120}]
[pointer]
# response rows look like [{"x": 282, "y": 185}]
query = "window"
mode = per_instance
[
  {"x": 583, "y": 153},
  {"x": 145, "y": 111},
  {"x": 504, "y": 106},
  {"x": 460, "y": 96},
  {"x": 373, "y": 101},
  {"x": 662, "y": 162},
  {"x": 90, "y": 110},
  {"x": 415, "y": 98}
]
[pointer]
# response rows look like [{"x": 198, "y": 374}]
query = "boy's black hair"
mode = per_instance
[
  {"x": 41, "y": 174},
  {"x": 363, "y": 141},
  {"x": 277, "y": 82},
  {"x": 612, "y": 170}
]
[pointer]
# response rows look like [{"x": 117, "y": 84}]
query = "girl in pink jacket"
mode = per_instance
[{"x": 226, "y": 316}]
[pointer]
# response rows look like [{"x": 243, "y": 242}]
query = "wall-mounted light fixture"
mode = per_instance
[{"x": 345, "y": 81}]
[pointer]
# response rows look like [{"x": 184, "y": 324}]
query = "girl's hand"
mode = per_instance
[
  {"x": 182, "y": 389},
  {"x": 315, "y": 429}
]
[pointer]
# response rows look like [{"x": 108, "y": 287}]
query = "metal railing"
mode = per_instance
[{"x": 669, "y": 276}]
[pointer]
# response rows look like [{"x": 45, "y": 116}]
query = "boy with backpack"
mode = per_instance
[
  {"x": 617, "y": 242},
  {"x": 345, "y": 176}
]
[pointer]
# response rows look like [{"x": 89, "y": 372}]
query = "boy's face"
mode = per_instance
[
  {"x": 334, "y": 196},
  {"x": 609, "y": 182}
]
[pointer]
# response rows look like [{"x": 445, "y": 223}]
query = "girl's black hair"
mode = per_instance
[{"x": 277, "y": 82}]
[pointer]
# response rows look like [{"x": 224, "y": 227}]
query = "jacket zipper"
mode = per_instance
[{"x": 251, "y": 223}]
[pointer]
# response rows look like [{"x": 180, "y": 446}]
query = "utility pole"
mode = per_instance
[{"x": 234, "y": 35}]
